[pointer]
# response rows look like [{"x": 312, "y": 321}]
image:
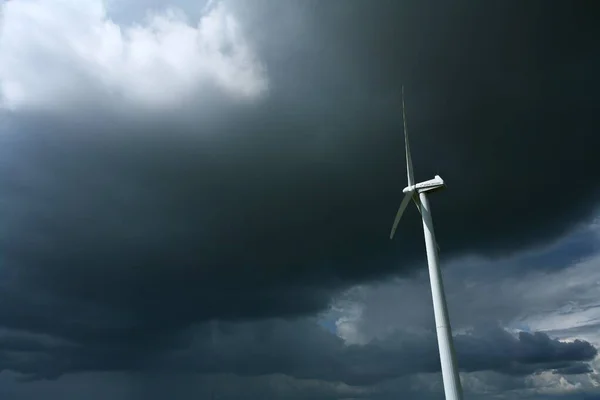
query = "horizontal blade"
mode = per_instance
[{"x": 405, "y": 201}]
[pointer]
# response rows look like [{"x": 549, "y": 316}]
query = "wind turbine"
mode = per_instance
[{"x": 418, "y": 193}]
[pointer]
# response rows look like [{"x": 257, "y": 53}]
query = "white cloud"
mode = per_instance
[{"x": 57, "y": 53}]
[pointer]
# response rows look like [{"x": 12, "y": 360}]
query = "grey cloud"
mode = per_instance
[
  {"x": 525, "y": 354},
  {"x": 519, "y": 292},
  {"x": 133, "y": 386},
  {"x": 302, "y": 350},
  {"x": 575, "y": 369},
  {"x": 120, "y": 231},
  {"x": 583, "y": 330},
  {"x": 281, "y": 202}
]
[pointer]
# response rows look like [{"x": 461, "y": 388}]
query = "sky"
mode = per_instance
[{"x": 196, "y": 198}]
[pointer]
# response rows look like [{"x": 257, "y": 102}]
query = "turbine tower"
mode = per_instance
[{"x": 418, "y": 193}]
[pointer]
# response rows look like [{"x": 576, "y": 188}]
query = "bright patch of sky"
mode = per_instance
[{"x": 161, "y": 61}]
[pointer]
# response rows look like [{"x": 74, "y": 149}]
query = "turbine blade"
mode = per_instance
[
  {"x": 405, "y": 201},
  {"x": 409, "y": 166},
  {"x": 415, "y": 198}
]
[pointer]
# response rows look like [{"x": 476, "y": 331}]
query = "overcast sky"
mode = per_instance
[{"x": 196, "y": 197}]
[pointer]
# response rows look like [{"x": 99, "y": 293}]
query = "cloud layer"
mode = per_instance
[
  {"x": 57, "y": 54},
  {"x": 142, "y": 202},
  {"x": 300, "y": 350}
]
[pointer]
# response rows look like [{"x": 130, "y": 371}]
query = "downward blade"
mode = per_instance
[
  {"x": 409, "y": 166},
  {"x": 405, "y": 201},
  {"x": 417, "y": 203}
]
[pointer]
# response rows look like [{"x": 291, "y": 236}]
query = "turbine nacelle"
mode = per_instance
[
  {"x": 411, "y": 193},
  {"x": 434, "y": 184}
]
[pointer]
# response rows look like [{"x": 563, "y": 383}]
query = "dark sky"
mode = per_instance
[{"x": 205, "y": 194}]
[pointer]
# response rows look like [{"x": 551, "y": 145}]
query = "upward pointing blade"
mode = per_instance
[
  {"x": 409, "y": 166},
  {"x": 407, "y": 198}
]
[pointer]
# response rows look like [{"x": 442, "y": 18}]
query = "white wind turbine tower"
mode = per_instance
[{"x": 418, "y": 193}]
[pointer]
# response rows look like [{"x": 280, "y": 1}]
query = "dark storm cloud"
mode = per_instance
[
  {"x": 114, "y": 230},
  {"x": 574, "y": 369},
  {"x": 303, "y": 350}
]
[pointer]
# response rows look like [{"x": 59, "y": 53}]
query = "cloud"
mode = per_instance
[
  {"x": 551, "y": 289},
  {"x": 132, "y": 212},
  {"x": 529, "y": 304},
  {"x": 303, "y": 350},
  {"x": 83, "y": 54},
  {"x": 284, "y": 202}
]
